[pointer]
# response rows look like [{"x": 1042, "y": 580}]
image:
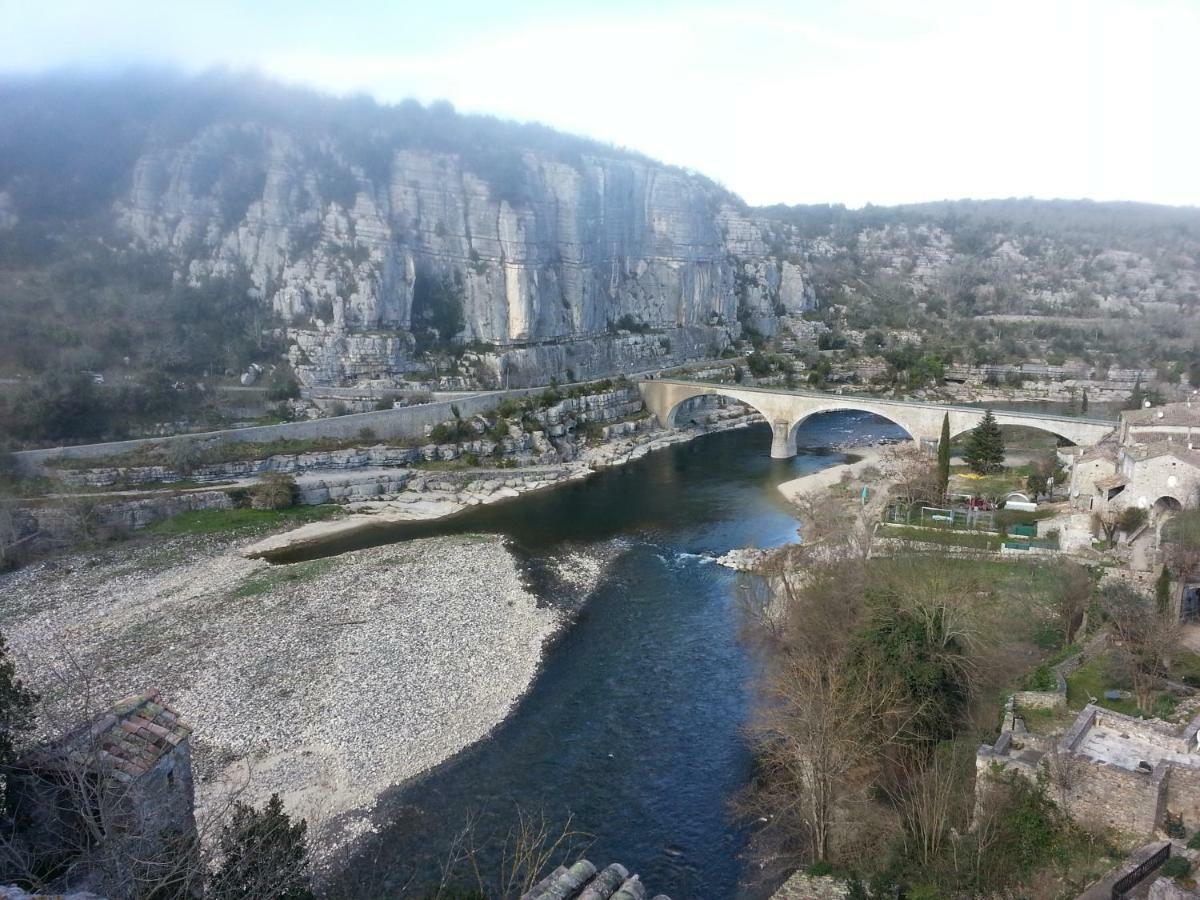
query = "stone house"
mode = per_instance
[
  {"x": 111, "y": 799},
  {"x": 1088, "y": 465},
  {"x": 1161, "y": 476},
  {"x": 1110, "y": 770},
  {"x": 1153, "y": 464}
]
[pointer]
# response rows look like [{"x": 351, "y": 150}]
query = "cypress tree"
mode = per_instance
[
  {"x": 943, "y": 455},
  {"x": 1137, "y": 397},
  {"x": 1162, "y": 590},
  {"x": 984, "y": 450},
  {"x": 1083, "y": 405}
]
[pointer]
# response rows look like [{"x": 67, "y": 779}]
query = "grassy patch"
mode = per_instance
[
  {"x": 217, "y": 521},
  {"x": 1045, "y": 721},
  {"x": 944, "y": 536},
  {"x": 1091, "y": 680},
  {"x": 276, "y": 576},
  {"x": 966, "y": 482},
  {"x": 1185, "y": 667}
]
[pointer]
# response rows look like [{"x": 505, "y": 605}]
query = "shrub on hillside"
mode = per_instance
[{"x": 274, "y": 491}]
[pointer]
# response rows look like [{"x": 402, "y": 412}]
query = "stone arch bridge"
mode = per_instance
[{"x": 785, "y": 411}]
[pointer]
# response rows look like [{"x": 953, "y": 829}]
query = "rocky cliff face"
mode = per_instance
[{"x": 554, "y": 280}]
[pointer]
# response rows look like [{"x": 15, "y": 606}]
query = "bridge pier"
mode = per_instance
[{"x": 783, "y": 440}]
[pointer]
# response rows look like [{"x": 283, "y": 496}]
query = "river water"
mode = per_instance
[{"x": 634, "y": 726}]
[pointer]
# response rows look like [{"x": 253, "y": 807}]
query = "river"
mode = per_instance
[{"x": 634, "y": 727}]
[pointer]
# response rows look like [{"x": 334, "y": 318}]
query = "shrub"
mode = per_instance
[
  {"x": 183, "y": 457},
  {"x": 367, "y": 434},
  {"x": 1176, "y": 867},
  {"x": 507, "y": 408},
  {"x": 274, "y": 491},
  {"x": 1040, "y": 679},
  {"x": 264, "y": 853},
  {"x": 282, "y": 384},
  {"x": 1132, "y": 518}
]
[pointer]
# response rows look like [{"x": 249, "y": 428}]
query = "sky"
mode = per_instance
[{"x": 855, "y": 102}]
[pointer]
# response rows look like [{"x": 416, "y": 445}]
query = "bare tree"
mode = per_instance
[
  {"x": 819, "y": 729},
  {"x": 1107, "y": 522},
  {"x": 1074, "y": 598},
  {"x": 1148, "y": 637},
  {"x": 526, "y": 853},
  {"x": 930, "y": 796},
  {"x": 912, "y": 474}
]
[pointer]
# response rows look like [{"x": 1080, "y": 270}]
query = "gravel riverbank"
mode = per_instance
[{"x": 326, "y": 681}]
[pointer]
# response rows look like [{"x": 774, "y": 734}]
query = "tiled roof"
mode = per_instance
[
  {"x": 1111, "y": 481},
  {"x": 583, "y": 882},
  {"x": 1144, "y": 451},
  {"x": 126, "y": 742},
  {"x": 1167, "y": 414}
]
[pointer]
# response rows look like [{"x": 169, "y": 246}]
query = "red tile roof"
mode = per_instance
[{"x": 126, "y": 742}]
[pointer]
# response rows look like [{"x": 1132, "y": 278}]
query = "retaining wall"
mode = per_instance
[{"x": 406, "y": 422}]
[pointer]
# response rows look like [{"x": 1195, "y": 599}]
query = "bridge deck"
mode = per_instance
[{"x": 919, "y": 404}]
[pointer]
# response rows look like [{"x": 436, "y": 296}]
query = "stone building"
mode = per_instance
[
  {"x": 1154, "y": 464},
  {"x": 1088, "y": 465},
  {"x": 1110, "y": 770},
  {"x": 110, "y": 802}
]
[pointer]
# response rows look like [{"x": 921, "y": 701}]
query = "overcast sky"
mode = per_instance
[{"x": 801, "y": 102}]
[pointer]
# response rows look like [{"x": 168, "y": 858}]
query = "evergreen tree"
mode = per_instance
[
  {"x": 1083, "y": 405},
  {"x": 264, "y": 855},
  {"x": 1137, "y": 397},
  {"x": 17, "y": 704},
  {"x": 943, "y": 455},
  {"x": 984, "y": 450},
  {"x": 1162, "y": 590}
]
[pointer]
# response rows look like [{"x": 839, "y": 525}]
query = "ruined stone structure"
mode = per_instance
[
  {"x": 1109, "y": 770},
  {"x": 111, "y": 798},
  {"x": 785, "y": 411}
]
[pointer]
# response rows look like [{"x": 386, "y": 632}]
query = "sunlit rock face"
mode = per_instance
[{"x": 561, "y": 268}]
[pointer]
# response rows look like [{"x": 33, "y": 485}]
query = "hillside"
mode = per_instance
[{"x": 162, "y": 230}]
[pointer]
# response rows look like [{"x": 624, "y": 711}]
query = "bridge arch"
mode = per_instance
[
  {"x": 673, "y": 412},
  {"x": 955, "y": 435},
  {"x": 853, "y": 407}
]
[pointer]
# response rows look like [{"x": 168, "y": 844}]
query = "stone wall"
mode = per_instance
[
  {"x": 67, "y": 523},
  {"x": 1103, "y": 796},
  {"x": 1183, "y": 795},
  {"x": 1039, "y": 700}
]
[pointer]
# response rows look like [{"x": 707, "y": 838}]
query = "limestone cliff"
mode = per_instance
[{"x": 554, "y": 280}]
